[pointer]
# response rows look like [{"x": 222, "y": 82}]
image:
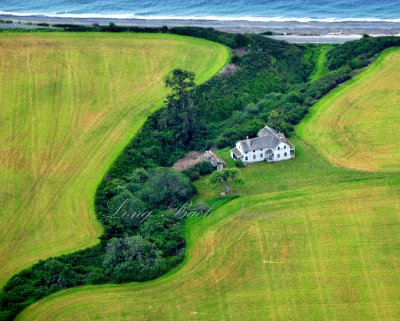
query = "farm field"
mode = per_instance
[
  {"x": 306, "y": 240},
  {"x": 357, "y": 125},
  {"x": 69, "y": 103}
]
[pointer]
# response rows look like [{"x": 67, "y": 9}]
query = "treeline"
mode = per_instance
[
  {"x": 228, "y": 39},
  {"x": 137, "y": 199},
  {"x": 234, "y": 116},
  {"x": 280, "y": 110},
  {"x": 358, "y": 54}
]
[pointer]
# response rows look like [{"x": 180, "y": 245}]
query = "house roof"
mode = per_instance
[
  {"x": 267, "y": 131},
  {"x": 236, "y": 152},
  {"x": 268, "y": 152},
  {"x": 267, "y": 138}
]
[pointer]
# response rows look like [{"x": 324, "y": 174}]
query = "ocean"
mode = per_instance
[{"x": 249, "y": 10}]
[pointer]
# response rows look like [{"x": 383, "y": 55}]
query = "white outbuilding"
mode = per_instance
[{"x": 269, "y": 146}]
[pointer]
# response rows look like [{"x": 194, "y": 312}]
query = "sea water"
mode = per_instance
[{"x": 249, "y": 10}]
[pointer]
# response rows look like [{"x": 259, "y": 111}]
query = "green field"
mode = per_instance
[
  {"x": 357, "y": 126},
  {"x": 305, "y": 240},
  {"x": 69, "y": 103}
]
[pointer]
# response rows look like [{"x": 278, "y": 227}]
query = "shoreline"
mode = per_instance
[{"x": 292, "y": 31}]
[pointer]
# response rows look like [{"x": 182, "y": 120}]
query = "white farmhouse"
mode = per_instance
[{"x": 269, "y": 146}]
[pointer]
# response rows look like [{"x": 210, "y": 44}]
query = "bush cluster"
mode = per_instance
[{"x": 358, "y": 54}]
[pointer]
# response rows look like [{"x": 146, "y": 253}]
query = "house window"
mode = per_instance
[
  {"x": 279, "y": 148},
  {"x": 278, "y": 155},
  {"x": 246, "y": 158},
  {"x": 245, "y": 152},
  {"x": 285, "y": 154},
  {"x": 254, "y": 151},
  {"x": 254, "y": 156},
  {"x": 284, "y": 147},
  {"x": 261, "y": 155}
]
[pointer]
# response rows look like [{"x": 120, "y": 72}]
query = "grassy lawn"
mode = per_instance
[
  {"x": 306, "y": 240},
  {"x": 69, "y": 104}
]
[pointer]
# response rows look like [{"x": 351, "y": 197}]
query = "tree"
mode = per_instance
[
  {"x": 131, "y": 258},
  {"x": 225, "y": 176},
  {"x": 180, "y": 115},
  {"x": 126, "y": 209},
  {"x": 166, "y": 187},
  {"x": 182, "y": 83},
  {"x": 112, "y": 27}
]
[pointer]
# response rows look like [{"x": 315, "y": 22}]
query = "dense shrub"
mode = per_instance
[
  {"x": 239, "y": 164},
  {"x": 131, "y": 255},
  {"x": 358, "y": 54},
  {"x": 202, "y": 168}
]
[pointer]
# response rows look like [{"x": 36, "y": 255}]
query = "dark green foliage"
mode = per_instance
[
  {"x": 179, "y": 118},
  {"x": 269, "y": 66},
  {"x": 164, "y": 229},
  {"x": 166, "y": 188},
  {"x": 73, "y": 28},
  {"x": 227, "y": 101},
  {"x": 267, "y": 33},
  {"x": 126, "y": 208},
  {"x": 228, "y": 39},
  {"x": 358, "y": 54},
  {"x": 131, "y": 255},
  {"x": 202, "y": 168},
  {"x": 49, "y": 276},
  {"x": 239, "y": 164}
]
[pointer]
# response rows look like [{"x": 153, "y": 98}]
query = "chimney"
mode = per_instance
[{"x": 247, "y": 137}]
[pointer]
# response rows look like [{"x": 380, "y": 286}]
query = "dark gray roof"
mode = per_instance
[
  {"x": 269, "y": 152},
  {"x": 267, "y": 138},
  {"x": 267, "y": 131}
]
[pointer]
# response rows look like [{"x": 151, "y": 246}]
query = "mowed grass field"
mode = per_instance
[
  {"x": 69, "y": 103},
  {"x": 305, "y": 240},
  {"x": 357, "y": 126}
]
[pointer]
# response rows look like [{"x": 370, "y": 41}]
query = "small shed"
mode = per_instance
[{"x": 214, "y": 160}]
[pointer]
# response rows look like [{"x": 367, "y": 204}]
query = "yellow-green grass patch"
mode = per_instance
[
  {"x": 358, "y": 125},
  {"x": 321, "y": 68},
  {"x": 69, "y": 103}
]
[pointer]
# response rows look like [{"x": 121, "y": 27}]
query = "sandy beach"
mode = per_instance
[{"x": 292, "y": 31}]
